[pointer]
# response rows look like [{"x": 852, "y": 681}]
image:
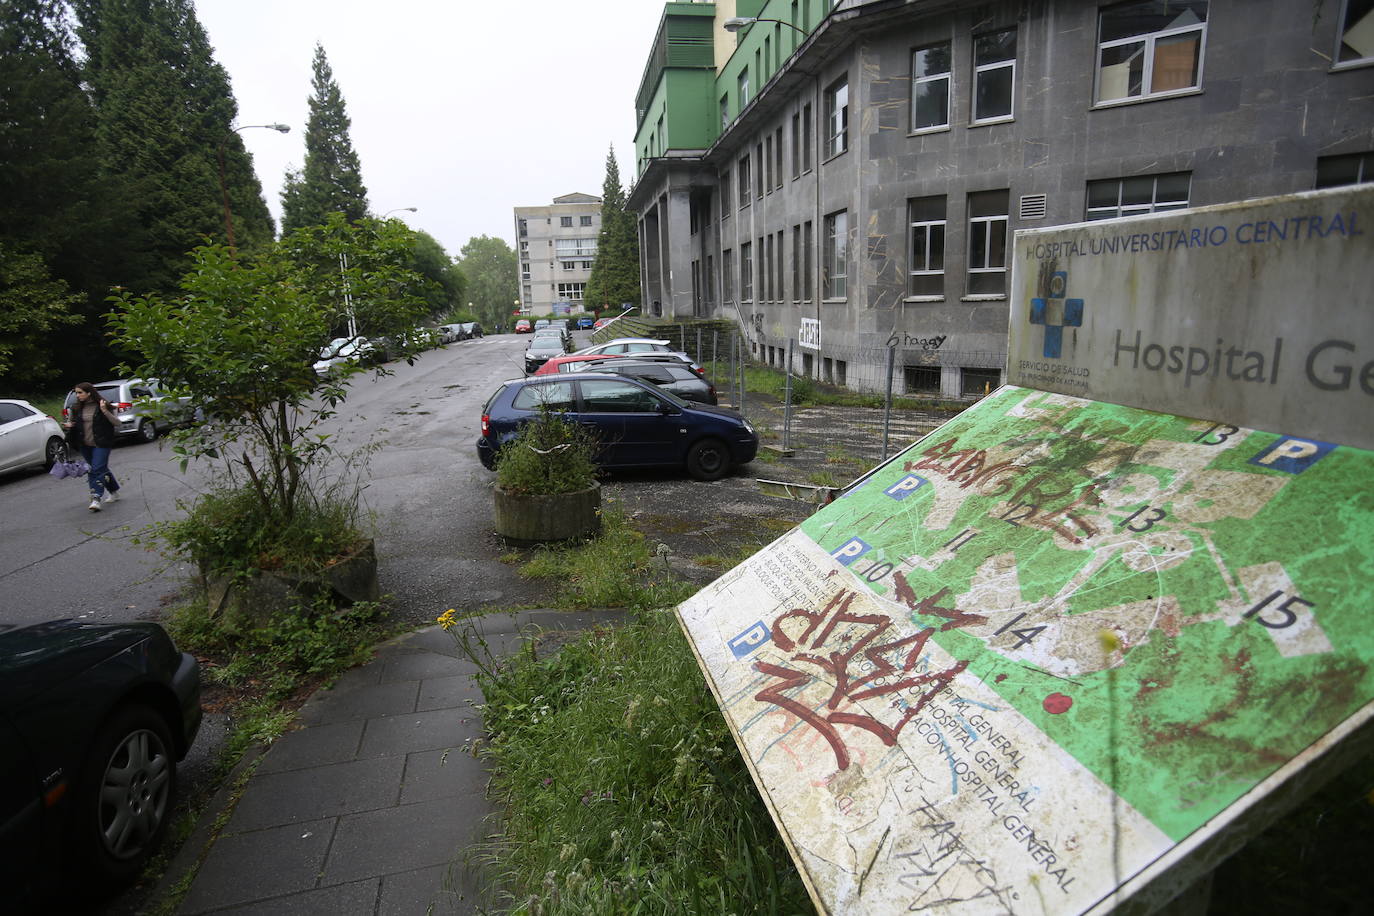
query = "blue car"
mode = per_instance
[
  {"x": 637, "y": 424},
  {"x": 585, "y": 323}
]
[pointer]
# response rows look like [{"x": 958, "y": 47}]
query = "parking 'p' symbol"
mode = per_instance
[
  {"x": 851, "y": 550},
  {"x": 1292, "y": 455},
  {"x": 750, "y": 639},
  {"x": 905, "y": 487}
]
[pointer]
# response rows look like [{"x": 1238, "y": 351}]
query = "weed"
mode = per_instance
[
  {"x": 622, "y": 787},
  {"x": 824, "y": 478}
]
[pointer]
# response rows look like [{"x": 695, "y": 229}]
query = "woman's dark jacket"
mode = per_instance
[{"x": 102, "y": 430}]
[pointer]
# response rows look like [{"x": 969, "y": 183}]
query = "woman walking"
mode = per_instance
[{"x": 90, "y": 427}]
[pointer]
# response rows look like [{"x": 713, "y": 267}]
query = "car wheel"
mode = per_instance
[
  {"x": 147, "y": 431},
  {"x": 54, "y": 452},
  {"x": 125, "y": 797},
  {"x": 708, "y": 459}
]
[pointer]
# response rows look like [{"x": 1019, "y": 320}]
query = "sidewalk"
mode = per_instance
[{"x": 371, "y": 803}]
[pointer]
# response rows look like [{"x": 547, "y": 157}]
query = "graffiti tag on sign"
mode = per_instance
[{"x": 809, "y": 336}]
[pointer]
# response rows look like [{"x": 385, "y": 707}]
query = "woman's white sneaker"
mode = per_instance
[
  {"x": 111, "y": 498},
  {"x": 95, "y": 504}
]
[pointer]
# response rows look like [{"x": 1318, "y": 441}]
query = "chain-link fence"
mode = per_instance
[{"x": 843, "y": 409}]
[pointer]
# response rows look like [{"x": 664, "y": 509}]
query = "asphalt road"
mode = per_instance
[{"x": 425, "y": 489}]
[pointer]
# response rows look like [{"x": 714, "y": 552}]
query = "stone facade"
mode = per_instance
[{"x": 862, "y": 230}]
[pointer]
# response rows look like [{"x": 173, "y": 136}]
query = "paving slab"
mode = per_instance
[{"x": 370, "y": 805}]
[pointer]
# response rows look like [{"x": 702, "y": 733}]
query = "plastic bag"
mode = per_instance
[{"x": 75, "y": 468}]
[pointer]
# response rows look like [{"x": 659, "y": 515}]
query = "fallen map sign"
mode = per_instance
[{"x": 1029, "y": 660}]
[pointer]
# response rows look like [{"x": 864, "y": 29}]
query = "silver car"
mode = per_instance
[
  {"x": 144, "y": 410},
  {"x": 28, "y": 437}
]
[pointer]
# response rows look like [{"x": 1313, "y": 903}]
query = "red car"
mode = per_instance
[
  {"x": 523, "y": 326},
  {"x": 602, "y": 322},
  {"x": 568, "y": 364}
]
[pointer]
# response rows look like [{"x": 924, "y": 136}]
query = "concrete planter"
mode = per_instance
[
  {"x": 252, "y": 601},
  {"x": 532, "y": 518}
]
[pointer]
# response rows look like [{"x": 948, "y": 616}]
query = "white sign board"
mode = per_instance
[
  {"x": 1258, "y": 314},
  {"x": 809, "y": 336}
]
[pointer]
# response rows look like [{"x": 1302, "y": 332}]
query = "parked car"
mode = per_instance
[
  {"x": 626, "y": 346},
  {"x": 637, "y": 424},
  {"x": 601, "y": 323},
  {"x": 541, "y": 323},
  {"x": 93, "y": 720},
  {"x": 29, "y": 438},
  {"x": 144, "y": 410},
  {"x": 546, "y": 344},
  {"x": 345, "y": 350},
  {"x": 449, "y": 333},
  {"x": 575, "y": 363},
  {"x": 585, "y": 323},
  {"x": 522, "y": 326},
  {"x": 471, "y": 329},
  {"x": 668, "y": 376}
]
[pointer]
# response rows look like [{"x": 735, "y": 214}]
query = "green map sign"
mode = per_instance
[{"x": 1030, "y": 662}]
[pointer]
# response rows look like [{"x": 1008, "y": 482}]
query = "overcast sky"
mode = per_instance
[{"x": 456, "y": 109}]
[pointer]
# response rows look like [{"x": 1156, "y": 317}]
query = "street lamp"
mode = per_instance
[
  {"x": 223, "y": 188},
  {"x": 398, "y": 210},
  {"x": 735, "y": 23}
]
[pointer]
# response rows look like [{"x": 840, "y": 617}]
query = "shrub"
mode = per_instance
[{"x": 549, "y": 455}]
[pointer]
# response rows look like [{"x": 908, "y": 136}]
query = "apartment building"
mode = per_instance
[
  {"x": 555, "y": 248},
  {"x": 843, "y": 178}
]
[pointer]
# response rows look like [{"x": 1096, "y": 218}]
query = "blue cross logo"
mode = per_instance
[{"x": 1056, "y": 313}]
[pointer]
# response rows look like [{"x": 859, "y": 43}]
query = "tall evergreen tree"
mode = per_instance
[
  {"x": 331, "y": 179},
  {"x": 165, "y": 110},
  {"x": 63, "y": 225},
  {"x": 615, "y": 272}
]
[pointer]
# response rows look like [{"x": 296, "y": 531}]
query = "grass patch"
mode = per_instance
[
  {"x": 623, "y": 791},
  {"x": 810, "y": 393},
  {"x": 615, "y": 569}
]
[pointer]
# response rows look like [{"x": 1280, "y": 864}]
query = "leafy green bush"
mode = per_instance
[
  {"x": 549, "y": 455},
  {"x": 230, "y": 530},
  {"x": 623, "y": 789}
]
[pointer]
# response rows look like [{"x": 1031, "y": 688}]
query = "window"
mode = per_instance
[
  {"x": 724, "y": 194},
  {"x": 743, "y": 88},
  {"x": 575, "y": 248},
  {"x": 524, "y": 270},
  {"x": 835, "y": 265},
  {"x": 708, "y": 291},
  {"x": 767, "y": 170},
  {"x": 1333, "y": 171},
  {"x": 796, "y": 263},
  {"x": 777, "y": 154},
  {"x": 727, "y": 275},
  {"x": 584, "y": 220},
  {"x": 725, "y": 111},
  {"x": 1356, "y": 44},
  {"x": 806, "y": 137},
  {"x": 1132, "y": 196},
  {"x": 615, "y": 396},
  {"x": 768, "y": 253},
  {"x": 808, "y": 274},
  {"x": 746, "y": 272},
  {"x": 565, "y": 222},
  {"x": 987, "y": 243},
  {"x": 927, "y": 251},
  {"x": 1150, "y": 48},
  {"x": 763, "y": 166},
  {"x": 778, "y": 265},
  {"x": 994, "y": 76},
  {"x": 524, "y": 229},
  {"x": 768, "y": 52},
  {"x": 551, "y": 395},
  {"x": 796, "y": 145},
  {"x": 921, "y": 379},
  {"x": 837, "y": 117},
  {"x": 571, "y": 291},
  {"x": 745, "y": 191},
  {"x": 978, "y": 382},
  {"x": 930, "y": 77}
]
